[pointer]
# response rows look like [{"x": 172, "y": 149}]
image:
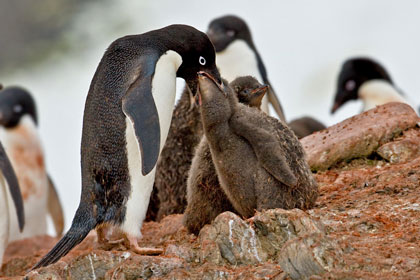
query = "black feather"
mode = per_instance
[{"x": 82, "y": 224}]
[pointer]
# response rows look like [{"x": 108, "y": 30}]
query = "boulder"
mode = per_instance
[{"x": 358, "y": 136}]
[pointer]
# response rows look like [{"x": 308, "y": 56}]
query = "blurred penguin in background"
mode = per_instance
[
  {"x": 9, "y": 195},
  {"x": 19, "y": 135},
  {"x": 365, "y": 79}
]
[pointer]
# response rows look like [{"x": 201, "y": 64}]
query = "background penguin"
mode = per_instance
[
  {"x": 365, "y": 79},
  {"x": 305, "y": 126},
  {"x": 126, "y": 120},
  {"x": 19, "y": 135},
  {"x": 259, "y": 161},
  {"x": 7, "y": 195},
  {"x": 206, "y": 199},
  {"x": 236, "y": 55}
]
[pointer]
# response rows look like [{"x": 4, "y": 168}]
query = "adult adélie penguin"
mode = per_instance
[
  {"x": 365, "y": 79},
  {"x": 126, "y": 120},
  {"x": 236, "y": 55},
  {"x": 8, "y": 180}
]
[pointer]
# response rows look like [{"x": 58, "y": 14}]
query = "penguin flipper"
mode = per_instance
[
  {"x": 267, "y": 150},
  {"x": 139, "y": 106},
  {"x": 12, "y": 182},
  {"x": 274, "y": 101},
  {"x": 54, "y": 208}
]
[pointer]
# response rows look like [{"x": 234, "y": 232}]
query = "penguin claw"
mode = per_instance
[{"x": 134, "y": 246}]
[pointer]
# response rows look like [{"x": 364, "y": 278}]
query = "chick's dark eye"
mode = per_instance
[
  {"x": 350, "y": 85},
  {"x": 202, "y": 60},
  {"x": 246, "y": 91}
]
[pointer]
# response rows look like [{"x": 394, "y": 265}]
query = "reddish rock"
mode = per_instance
[
  {"x": 402, "y": 149},
  {"x": 358, "y": 136}
]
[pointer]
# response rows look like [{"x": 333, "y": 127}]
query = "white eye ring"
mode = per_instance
[
  {"x": 230, "y": 33},
  {"x": 202, "y": 60},
  {"x": 17, "y": 108},
  {"x": 350, "y": 85}
]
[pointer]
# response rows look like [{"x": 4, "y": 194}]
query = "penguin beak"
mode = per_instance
[
  {"x": 335, "y": 107},
  {"x": 216, "y": 80},
  {"x": 260, "y": 91}
]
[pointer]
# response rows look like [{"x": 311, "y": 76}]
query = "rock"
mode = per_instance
[
  {"x": 144, "y": 267},
  {"x": 231, "y": 239},
  {"x": 403, "y": 149},
  {"x": 313, "y": 254},
  {"x": 358, "y": 136},
  {"x": 181, "y": 251},
  {"x": 275, "y": 227}
]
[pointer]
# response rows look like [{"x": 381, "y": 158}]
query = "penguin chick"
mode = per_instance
[
  {"x": 9, "y": 194},
  {"x": 19, "y": 135},
  {"x": 236, "y": 55},
  {"x": 305, "y": 126},
  {"x": 169, "y": 195},
  {"x": 365, "y": 79},
  {"x": 259, "y": 161},
  {"x": 126, "y": 120},
  {"x": 206, "y": 199}
]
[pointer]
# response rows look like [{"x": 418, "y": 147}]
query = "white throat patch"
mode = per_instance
[{"x": 378, "y": 92}]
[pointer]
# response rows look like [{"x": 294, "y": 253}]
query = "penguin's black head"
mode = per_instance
[
  {"x": 16, "y": 102},
  {"x": 249, "y": 90},
  {"x": 197, "y": 54},
  {"x": 224, "y": 30},
  {"x": 353, "y": 74}
]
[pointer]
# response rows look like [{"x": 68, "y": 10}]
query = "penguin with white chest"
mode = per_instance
[
  {"x": 365, "y": 79},
  {"x": 9, "y": 188},
  {"x": 236, "y": 56},
  {"x": 19, "y": 135},
  {"x": 126, "y": 121}
]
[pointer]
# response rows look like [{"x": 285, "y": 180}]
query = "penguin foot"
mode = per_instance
[{"x": 134, "y": 246}]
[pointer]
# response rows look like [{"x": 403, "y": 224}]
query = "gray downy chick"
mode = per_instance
[
  {"x": 206, "y": 199},
  {"x": 259, "y": 161}
]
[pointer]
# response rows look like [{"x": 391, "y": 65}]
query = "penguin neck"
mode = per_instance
[
  {"x": 377, "y": 92},
  {"x": 238, "y": 59}
]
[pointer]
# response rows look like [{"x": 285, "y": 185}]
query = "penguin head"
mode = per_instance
[
  {"x": 353, "y": 74},
  {"x": 16, "y": 102},
  {"x": 249, "y": 91},
  {"x": 197, "y": 54},
  {"x": 211, "y": 91},
  {"x": 224, "y": 30}
]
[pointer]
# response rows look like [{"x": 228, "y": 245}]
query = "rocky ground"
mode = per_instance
[{"x": 366, "y": 224}]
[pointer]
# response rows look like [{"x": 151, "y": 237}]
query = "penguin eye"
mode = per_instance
[
  {"x": 230, "y": 33},
  {"x": 17, "y": 108},
  {"x": 350, "y": 85},
  {"x": 246, "y": 91},
  {"x": 202, "y": 60}
]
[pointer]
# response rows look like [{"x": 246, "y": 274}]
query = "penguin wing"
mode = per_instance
[
  {"x": 54, "y": 208},
  {"x": 139, "y": 106},
  {"x": 267, "y": 150},
  {"x": 274, "y": 101},
  {"x": 12, "y": 182}
]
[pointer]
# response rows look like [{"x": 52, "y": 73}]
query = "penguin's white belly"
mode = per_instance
[
  {"x": 4, "y": 217},
  {"x": 164, "y": 91},
  {"x": 378, "y": 92},
  {"x": 238, "y": 60},
  {"x": 24, "y": 150}
]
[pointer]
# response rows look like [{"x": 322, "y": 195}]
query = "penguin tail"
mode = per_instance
[{"x": 82, "y": 224}]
